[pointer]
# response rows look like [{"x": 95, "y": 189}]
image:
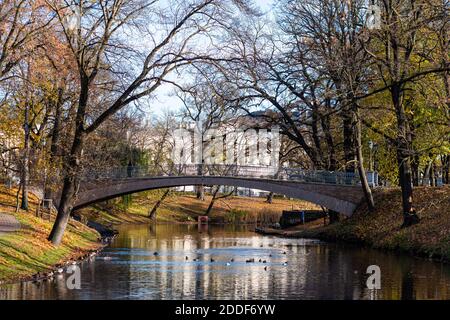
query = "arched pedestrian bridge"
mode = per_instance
[{"x": 336, "y": 191}]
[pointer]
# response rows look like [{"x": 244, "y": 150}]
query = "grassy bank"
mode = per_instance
[
  {"x": 382, "y": 228},
  {"x": 26, "y": 252},
  {"x": 184, "y": 208}
]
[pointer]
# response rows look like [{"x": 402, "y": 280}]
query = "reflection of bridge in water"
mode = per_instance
[{"x": 338, "y": 191}]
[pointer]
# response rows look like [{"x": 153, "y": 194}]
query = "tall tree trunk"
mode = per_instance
[
  {"x": 406, "y": 186},
  {"x": 445, "y": 61},
  {"x": 25, "y": 177},
  {"x": 426, "y": 179},
  {"x": 433, "y": 175},
  {"x": 152, "y": 214},
  {"x": 349, "y": 143},
  {"x": 348, "y": 123},
  {"x": 69, "y": 190},
  {"x": 415, "y": 169},
  {"x": 326, "y": 127},
  {"x": 201, "y": 188},
  {"x": 445, "y": 169},
  {"x": 71, "y": 183},
  {"x": 362, "y": 173},
  {"x": 404, "y": 159},
  {"x": 315, "y": 133},
  {"x": 48, "y": 194}
]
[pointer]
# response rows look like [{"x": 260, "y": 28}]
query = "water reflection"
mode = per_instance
[{"x": 210, "y": 263}]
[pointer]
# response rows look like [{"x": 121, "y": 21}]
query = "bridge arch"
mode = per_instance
[{"x": 343, "y": 199}]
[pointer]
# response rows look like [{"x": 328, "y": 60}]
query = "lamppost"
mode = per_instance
[
  {"x": 375, "y": 150},
  {"x": 371, "y": 144},
  {"x": 373, "y": 147}
]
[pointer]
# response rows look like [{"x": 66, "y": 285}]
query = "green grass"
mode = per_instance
[{"x": 27, "y": 251}]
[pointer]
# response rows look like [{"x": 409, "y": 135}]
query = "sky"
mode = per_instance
[{"x": 164, "y": 100}]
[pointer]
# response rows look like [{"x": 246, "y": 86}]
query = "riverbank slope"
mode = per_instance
[
  {"x": 382, "y": 228},
  {"x": 27, "y": 251},
  {"x": 181, "y": 207}
]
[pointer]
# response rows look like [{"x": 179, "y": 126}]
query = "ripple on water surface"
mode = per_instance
[{"x": 232, "y": 262}]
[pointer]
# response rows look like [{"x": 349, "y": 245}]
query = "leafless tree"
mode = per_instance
[
  {"x": 108, "y": 81},
  {"x": 21, "y": 22},
  {"x": 206, "y": 109},
  {"x": 305, "y": 77},
  {"x": 260, "y": 74}
]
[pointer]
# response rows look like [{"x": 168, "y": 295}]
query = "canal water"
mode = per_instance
[{"x": 293, "y": 269}]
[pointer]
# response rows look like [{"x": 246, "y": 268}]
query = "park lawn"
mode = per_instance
[
  {"x": 382, "y": 227},
  {"x": 185, "y": 207},
  {"x": 26, "y": 252}
]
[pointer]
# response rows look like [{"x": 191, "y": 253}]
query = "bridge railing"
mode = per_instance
[
  {"x": 341, "y": 178},
  {"x": 329, "y": 177},
  {"x": 89, "y": 174},
  {"x": 244, "y": 171}
]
